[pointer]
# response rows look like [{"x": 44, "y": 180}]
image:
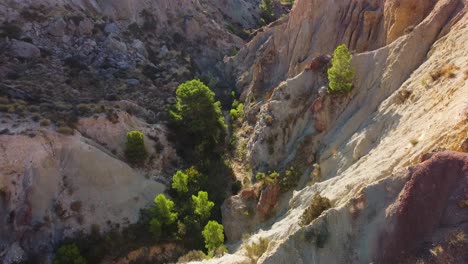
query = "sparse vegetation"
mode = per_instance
[
  {"x": 315, "y": 209},
  {"x": 135, "y": 149},
  {"x": 194, "y": 255},
  {"x": 340, "y": 75},
  {"x": 256, "y": 250}
]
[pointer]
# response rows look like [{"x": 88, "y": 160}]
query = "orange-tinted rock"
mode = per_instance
[
  {"x": 268, "y": 199},
  {"x": 247, "y": 193}
]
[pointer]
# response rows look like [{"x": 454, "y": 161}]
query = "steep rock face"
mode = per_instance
[
  {"x": 53, "y": 186},
  {"x": 408, "y": 100}
]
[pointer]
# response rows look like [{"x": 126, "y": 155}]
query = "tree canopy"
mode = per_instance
[
  {"x": 202, "y": 205},
  {"x": 180, "y": 182},
  {"x": 69, "y": 254},
  {"x": 198, "y": 117},
  {"x": 164, "y": 209},
  {"x": 341, "y": 74}
]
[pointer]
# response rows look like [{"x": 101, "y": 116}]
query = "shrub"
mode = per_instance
[
  {"x": 447, "y": 71},
  {"x": 69, "y": 254},
  {"x": 340, "y": 75},
  {"x": 290, "y": 179},
  {"x": 65, "y": 130},
  {"x": 256, "y": 250},
  {"x": 135, "y": 150},
  {"x": 260, "y": 176},
  {"x": 237, "y": 111},
  {"x": 315, "y": 209},
  {"x": 44, "y": 122},
  {"x": 214, "y": 236}
]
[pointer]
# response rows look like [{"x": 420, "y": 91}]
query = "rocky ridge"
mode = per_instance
[{"x": 408, "y": 99}]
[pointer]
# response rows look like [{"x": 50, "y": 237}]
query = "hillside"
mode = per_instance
[{"x": 387, "y": 161}]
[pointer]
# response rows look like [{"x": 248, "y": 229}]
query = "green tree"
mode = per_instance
[
  {"x": 341, "y": 74},
  {"x": 135, "y": 150},
  {"x": 214, "y": 236},
  {"x": 197, "y": 118},
  {"x": 180, "y": 182},
  {"x": 267, "y": 11},
  {"x": 164, "y": 209},
  {"x": 164, "y": 215},
  {"x": 202, "y": 206},
  {"x": 188, "y": 182},
  {"x": 69, "y": 254}
]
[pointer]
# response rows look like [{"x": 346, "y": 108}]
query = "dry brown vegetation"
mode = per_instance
[{"x": 447, "y": 71}]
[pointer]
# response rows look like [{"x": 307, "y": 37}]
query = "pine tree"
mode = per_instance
[{"x": 341, "y": 74}]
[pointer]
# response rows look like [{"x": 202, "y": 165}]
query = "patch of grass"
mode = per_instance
[{"x": 317, "y": 206}]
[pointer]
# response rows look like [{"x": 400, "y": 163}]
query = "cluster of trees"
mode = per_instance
[
  {"x": 192, "y": 214},
  {"x": 188, "y": 215}
]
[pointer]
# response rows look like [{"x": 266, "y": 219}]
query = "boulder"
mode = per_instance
[
  {"x": 111, "y": 28},
  {"x": 24, "y": 50},
  {"x": 57, "y": 27},
  {"x": 86, "y": 27}
]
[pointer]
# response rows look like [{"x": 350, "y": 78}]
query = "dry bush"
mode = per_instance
[
  {"x": 447, "y": 71},
  {"x": 315, "y": 209}
]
